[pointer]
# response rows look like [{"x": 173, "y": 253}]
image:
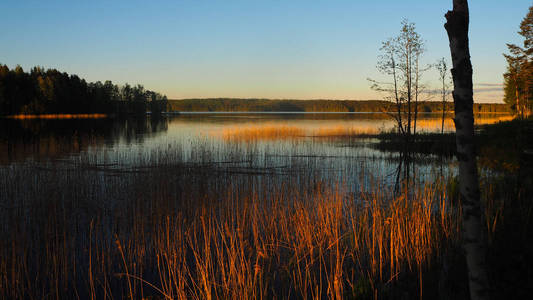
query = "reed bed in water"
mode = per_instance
[
  {"x": 345, "y": 131},
  {"x": 102, "y": 232},
  {"x": 316, "y": 249},
  {"x": 59, "y": 116},
  {"x": 264, "y": 132},
  {"x": 435, "y": 124},
  {"x": 271, "y": 132}
]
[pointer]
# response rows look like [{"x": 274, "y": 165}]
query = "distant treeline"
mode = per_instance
[
  {"x": 52, "y": 92},
  {"x": 248, "y": 105}
]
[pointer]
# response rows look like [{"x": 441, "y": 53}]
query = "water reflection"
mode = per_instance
[
  {"x": 55, "y": 138},
  {"x": 266, "y": 128},
  {"x": 264, "y": 135}
]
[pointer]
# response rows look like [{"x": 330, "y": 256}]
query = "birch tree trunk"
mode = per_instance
[{"x": 473, "y": 242}]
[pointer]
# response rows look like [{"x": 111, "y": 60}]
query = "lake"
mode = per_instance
[
  {"x": 263, "y": 142},
  {"x": 88, "y": 204}
]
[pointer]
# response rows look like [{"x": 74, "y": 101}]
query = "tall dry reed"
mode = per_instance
[{"x": 244, "y": 241}]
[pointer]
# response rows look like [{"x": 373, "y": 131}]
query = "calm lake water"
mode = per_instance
[{"x": 324, "y": 146}]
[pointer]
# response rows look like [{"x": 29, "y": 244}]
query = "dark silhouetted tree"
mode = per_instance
[
  {"x": 442, "y": 67},
  {"x": 518, "y": 80},
  {"x": 49, "y": 91},
  {"x": 400, "y": 59}
]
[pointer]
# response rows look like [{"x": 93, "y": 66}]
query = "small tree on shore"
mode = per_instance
[
  {"x": 442, "y": 67},
  {"x": 400, "y": 59}
]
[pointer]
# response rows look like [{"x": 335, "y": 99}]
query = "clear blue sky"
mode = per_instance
[{"x": 272, "y": 49}]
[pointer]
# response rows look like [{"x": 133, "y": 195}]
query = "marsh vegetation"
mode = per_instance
[{"x": 233, "y": 206}]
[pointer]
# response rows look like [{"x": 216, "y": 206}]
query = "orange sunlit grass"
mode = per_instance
[
  {"x": 493, "y": 119},
  {"x": 270, "y": 132},
  {"x": 435, "y": 124},
  {"x": 60, "y": 116},
  {"x": 259, "y": 132},
  {"x": 233, "y": 247},
  {"x": 262, "y": 132},
  {"x": 344, "y": 130}
]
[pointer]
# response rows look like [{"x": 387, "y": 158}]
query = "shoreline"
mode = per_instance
[{"x": 58, "y": 116}]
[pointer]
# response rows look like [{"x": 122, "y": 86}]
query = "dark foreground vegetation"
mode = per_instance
[
  {"x": 167, "y": 227},
  {"x": 268, "y": 105},
  {"x": 504, "y": 146},
  {"x": 505, "y": 159},
  {"x": 52, "y": 92}
]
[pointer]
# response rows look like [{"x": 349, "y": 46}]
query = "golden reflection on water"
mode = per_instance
[
  {"x": 271, "y": 131},
  {"x": 262, "y": 132},
  {"x": 433, "y": 125},
  {"x": 22, "y": 139},
  {"x": 59, "y": 116}
]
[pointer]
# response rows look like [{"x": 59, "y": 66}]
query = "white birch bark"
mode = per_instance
[{"x": 473, "y": 242}]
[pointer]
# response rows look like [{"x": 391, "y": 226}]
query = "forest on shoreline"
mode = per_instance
[
  {"x": 319, "y": 105},
  {"x": 50, "y": 91}
]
